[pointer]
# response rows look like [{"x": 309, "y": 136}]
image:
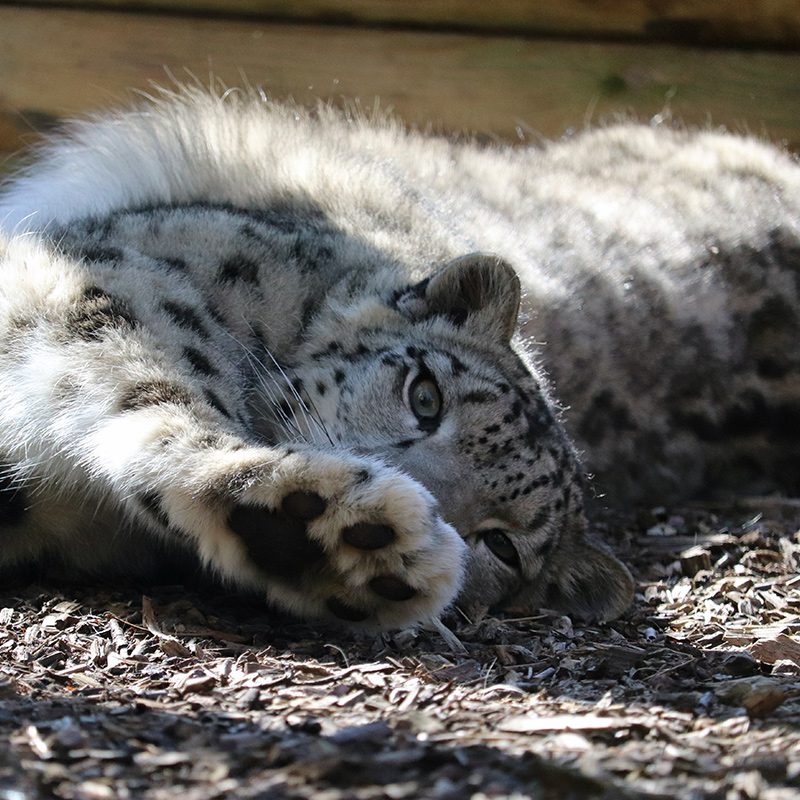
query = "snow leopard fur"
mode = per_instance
[{"x": 285, "y": 342}]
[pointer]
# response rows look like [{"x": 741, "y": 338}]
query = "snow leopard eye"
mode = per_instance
[
  {"x": 425, "y": 398},
  {"x": 501, "y": 546}
]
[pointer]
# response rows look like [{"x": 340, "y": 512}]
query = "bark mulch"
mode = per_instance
[{"x": 164, "y": 692}]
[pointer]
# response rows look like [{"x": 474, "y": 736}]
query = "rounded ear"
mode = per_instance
[
  {"x": 478, "y": 291},
  {"x": 590, "y": 583}
]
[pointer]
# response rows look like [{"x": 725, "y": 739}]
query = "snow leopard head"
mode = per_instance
[{"x": 431, "y": 378}]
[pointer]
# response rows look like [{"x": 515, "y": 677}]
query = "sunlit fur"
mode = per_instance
[{"x": 292, "y": 271}]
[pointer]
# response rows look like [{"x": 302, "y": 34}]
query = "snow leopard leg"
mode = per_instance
[{"x": 97, "y": 417}]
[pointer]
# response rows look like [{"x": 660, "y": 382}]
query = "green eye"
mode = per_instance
[
  {"x": 425, "y": 399},
  {"x": 501, "y": 546}
]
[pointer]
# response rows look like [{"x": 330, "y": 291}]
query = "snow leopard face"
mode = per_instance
[{"x": 430, "y": 381}]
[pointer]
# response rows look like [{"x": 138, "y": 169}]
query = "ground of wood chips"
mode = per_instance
[{"x": 163, "y": 692}]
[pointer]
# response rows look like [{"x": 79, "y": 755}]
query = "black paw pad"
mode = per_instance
[
  {"x": 303, "y": 505},
  {"x": 392, "y": 588},
  {"x": 344, "y": 611},
  {"x": 277, "y": 543},
  {"x": 368, "y": 536}
]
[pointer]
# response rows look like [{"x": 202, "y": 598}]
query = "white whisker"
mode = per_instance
[
  {"x": 311, "y": 415},
  {"x": 269, "y": 388}
]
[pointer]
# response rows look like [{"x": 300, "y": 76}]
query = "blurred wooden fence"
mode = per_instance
[{"x": 504, "y": 68}]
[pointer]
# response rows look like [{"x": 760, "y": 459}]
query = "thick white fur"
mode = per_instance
[{"x": 585, "y": 222}]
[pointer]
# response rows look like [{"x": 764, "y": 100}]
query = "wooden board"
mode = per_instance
[
  {"x": 768, "y": 22},
  {"x": 65, "y": 62}
]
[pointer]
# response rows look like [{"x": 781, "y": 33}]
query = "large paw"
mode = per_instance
[{"x": 348, "y": 538}]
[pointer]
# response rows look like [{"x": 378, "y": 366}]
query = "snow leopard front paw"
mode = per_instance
[{"x": 349, "y": 538}]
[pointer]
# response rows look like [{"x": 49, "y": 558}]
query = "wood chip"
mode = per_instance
[
  {"x": 694, "y": 692},
  {"x": 695, "y": 559},
  {"x": 531, "y": 723},
  {"x": 779, "y": 648}
]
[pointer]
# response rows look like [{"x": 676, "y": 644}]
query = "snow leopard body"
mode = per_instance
[{"x": 286, "y": 342}]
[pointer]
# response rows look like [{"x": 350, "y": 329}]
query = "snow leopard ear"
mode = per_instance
[
  {"x": 479, "y": 291},
  {"x": 590, "y": 583}
]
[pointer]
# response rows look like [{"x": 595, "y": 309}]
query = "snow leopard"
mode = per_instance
[{"x": 367, "y": 371}]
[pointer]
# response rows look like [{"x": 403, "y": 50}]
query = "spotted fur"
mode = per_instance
[{"x": 272, "y": 338}]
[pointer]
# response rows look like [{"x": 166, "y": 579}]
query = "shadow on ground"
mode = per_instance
[{"x": 163, "y": 691}]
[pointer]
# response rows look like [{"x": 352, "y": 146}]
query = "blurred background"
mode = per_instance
[{"x": 506, "y": 69}]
